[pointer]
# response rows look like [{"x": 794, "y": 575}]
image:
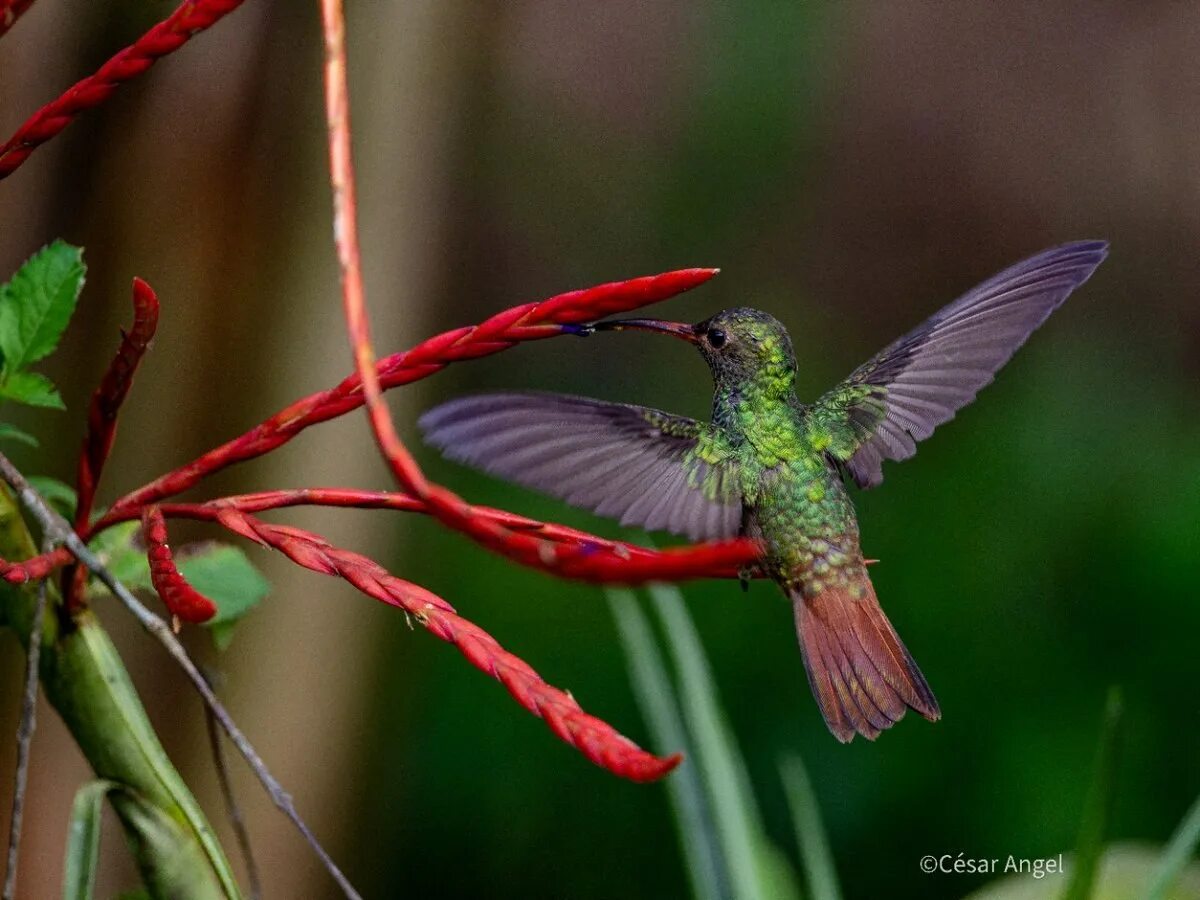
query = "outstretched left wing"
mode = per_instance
[
  {"x": 639, "y": 465},
  {"x": 924, "y": 378}
]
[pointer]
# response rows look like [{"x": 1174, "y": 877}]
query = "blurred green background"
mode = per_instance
[{"x": 851, "y": 167}]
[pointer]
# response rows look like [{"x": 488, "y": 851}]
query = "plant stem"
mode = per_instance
[{"x": 86, "y": 682}]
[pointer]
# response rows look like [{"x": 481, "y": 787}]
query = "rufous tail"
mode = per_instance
[{"x": 859, "y": 670}]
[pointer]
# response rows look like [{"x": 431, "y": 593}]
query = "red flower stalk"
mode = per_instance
[
  {"x": 34, "y": 568},
  {"x": 182, "y": 600},
  {"x": 192, "y": 17},
  {"x": 609, "y": 560},
  {"x": 10, "y": 11},
  {"x": 595, "y": 739},
  {"x": 345, "y": 233},
  {"x": 528, "y": 322},
  {"x": 107, "y": 400}
]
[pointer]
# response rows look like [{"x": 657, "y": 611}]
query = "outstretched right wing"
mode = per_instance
[
  {"x": 920, "y": 381},
  {"x": 639, "y": 465}
]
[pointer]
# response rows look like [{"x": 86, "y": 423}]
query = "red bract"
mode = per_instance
[
  {"x": 107, "y": 400},
  {"x": 528, "y": 322},
  {"x": 595, "y": 739},
  {"x": 192, "y": 17},
  {"x": 184, "y": 601},
  {"x": 554, "y": 548}
]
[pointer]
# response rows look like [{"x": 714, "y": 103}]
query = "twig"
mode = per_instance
[
  {"x": 57, "y": 529},
  {"x": 192, "y": 17},
  {"x": 231, "y": 805},
  {"x": 24, "y": 739}
]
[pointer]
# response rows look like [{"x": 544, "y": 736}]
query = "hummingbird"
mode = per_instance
[{"x": 772, "y": 468}]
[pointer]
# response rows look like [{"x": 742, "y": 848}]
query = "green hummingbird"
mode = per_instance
[{"x": 773, "y": 468}]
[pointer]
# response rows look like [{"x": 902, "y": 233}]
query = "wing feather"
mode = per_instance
[
  {"x": 921, "y": 380},
  {"x": 637, "y": 465}
]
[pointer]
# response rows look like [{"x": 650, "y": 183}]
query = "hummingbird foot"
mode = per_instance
[{"x": 746, "y": 574}]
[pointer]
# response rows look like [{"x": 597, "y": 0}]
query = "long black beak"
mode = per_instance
[{"x": 676, "y": 329}]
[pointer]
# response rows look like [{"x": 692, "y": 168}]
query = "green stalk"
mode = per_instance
[{"x": 87, "y": 684}]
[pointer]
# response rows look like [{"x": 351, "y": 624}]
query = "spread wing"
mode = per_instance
[
  {"x": 921, "y": 380},
  {"x": 641, "y": 466}
]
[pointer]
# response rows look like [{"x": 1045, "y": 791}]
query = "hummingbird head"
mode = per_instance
[{"x": 741, "y": 346}]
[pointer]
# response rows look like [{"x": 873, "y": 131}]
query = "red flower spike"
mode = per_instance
[
  {"x": 536, "y": 321},
  {"x": 595, "y": 739},
  {"x": 34, "y": 568},
  {"x": 182, "y": 600},
  {"x": 192, "y": 17},
  {"x": 10, "y": 11},
  {"x": 563, "y": 551},
  {"x": 107, "y": 400}
]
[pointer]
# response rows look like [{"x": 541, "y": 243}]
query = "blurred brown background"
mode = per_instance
[{"x": 851, "y": 167}]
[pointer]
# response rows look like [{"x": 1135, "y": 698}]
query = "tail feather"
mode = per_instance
[{"x": 863, "y": 677}]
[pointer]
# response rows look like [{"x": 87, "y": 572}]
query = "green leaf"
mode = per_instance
[
  {"x": 58, "y": 494},
  {"x": 224, "y": 575},
  {"x": 83, "y": 840},
  {"x": 31, "y": 389},
  {"x": 124, "y": 555},
  {"x": 1098, "y": 805},
  {"x": 37, "y": 303},
  {"x": 660, "y": 708},
  {"x": 1177, "y": 854},
  {"x": 818, "y": 865},
  {"x": 13, "y": 433},
  {"x": 756, "y": 867}
]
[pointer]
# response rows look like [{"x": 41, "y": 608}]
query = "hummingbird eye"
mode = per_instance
[{"x": 716, "y": 338}]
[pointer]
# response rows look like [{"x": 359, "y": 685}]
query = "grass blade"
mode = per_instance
[
  {"x": 660, "y": 708},
  {"x": 819, "y": 870},
  {"x": 1177, "y": 853},
  {"x": 756, "y": 868},
  {"x": 1098, "y": 806},
  {"x": 83, "y": 840}
]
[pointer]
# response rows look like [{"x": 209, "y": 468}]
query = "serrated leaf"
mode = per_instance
[
  {"x": 57, "y": 493},
  {"x": 119, "y": 549},
  {"x": 83, "y": 840},
  {"x": 31, "y": 389},
  {"x": 227, "y": 577},
  {"x": 36, "y": 305},
  {"x": 13, "y": 433}
]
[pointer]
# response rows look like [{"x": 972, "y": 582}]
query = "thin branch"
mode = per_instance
[
  {"x": 58, "y": 529},
  {"x": 231, "y": 805},
  {"x": 192, "y": 17},
  {"x": 24, "y": 739}
]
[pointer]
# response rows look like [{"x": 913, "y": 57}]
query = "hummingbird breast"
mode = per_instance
[{"x": 804, "y": 516}]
